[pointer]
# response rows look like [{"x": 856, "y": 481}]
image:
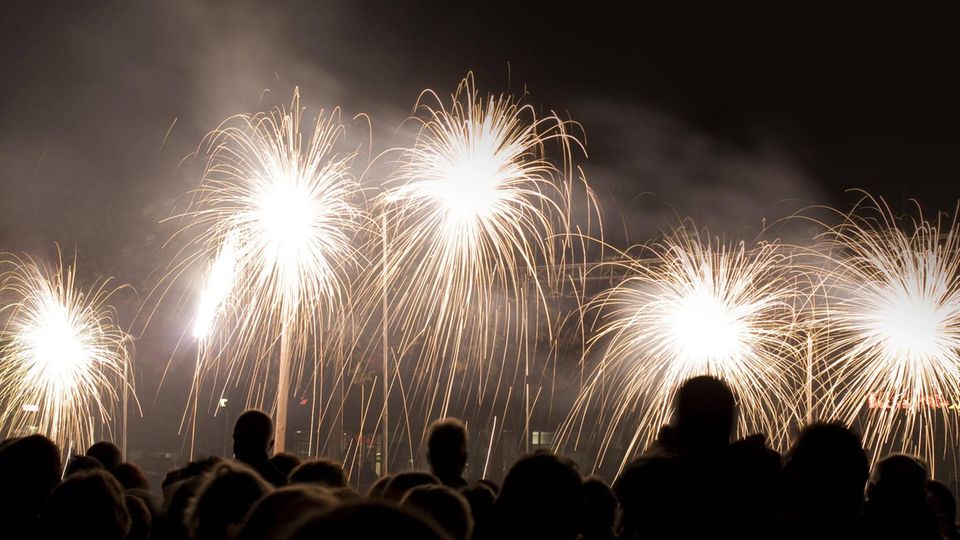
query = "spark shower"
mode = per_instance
[{"x": 464, "y": 274}]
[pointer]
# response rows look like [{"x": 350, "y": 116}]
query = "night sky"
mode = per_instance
[{"x": 728, "y": 112}]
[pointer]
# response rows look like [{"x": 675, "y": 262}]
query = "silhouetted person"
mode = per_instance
[
  {"x": 944, "y": 506},
  {"x": 704, "y": 414},
  {"x": 106, "y": 453},
  {"x": 401, "y": 483},
  {"x": 494, "y": 487},
  {"x": 284, "y": 462},
  {"x": 447, "y": 451},
  {"x": 824, "y": 476},
  {"x": 377, "y": 488},
  {"x": 252, "y": 442},
  {"x": 750, "y": 489},
  {"x": 141, "y": 519},
  {"x": 367, "y": 520},
  {"x": 541, "y": 497},
  {"x": 89, "y": 504},
  {"x": 600, "y": 510},
  {"x": 29, "y": 469},
  {"x": 134, "y": 481},
  {"x": 897, "y": 504},
  {"x": 275, "y": 514},
  {"x": 179, "y": 489},
  {"x": 480, "y": 498},
  {"x": 321, "y": 472},
  {"x": 82, "y": 463},
  {"x": 686, "y": 472},
  {"x": 345, "y": 494},
  {"x": 444, "y": 507},
  {"x": 227, "y": 493},
  {"x": 192, "y": 469},
  {"x": 130, "y": 476}
]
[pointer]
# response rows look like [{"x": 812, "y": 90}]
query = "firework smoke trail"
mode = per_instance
[
  {"x": 63, "y": 355},
  {"x": 479, "y": 232},
  {"x": 894, "y": 327},
  {"x": 694, "y": 306},
  {"x": 286, "y": 211}
]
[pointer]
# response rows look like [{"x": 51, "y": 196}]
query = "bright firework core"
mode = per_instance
[
  {"x": 702, "y": 327},
  {"x": 285, "y": 214},
  {"x": 56, "y": 346},
  {"x": 470, "y": 189},
  {"x": 911, "y": 327}
]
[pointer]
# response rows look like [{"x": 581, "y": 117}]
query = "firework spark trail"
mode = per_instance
[
  {"x": 219, "y": 282},
  {"x": 479, "y": 225},
  {"x": 286, "y": 210},
  {"x": 63, "y": 354},
  {"x": 894, "y": 326},
  {"x": 216, "y": 291},
  {"x": 698, "y": 306}
]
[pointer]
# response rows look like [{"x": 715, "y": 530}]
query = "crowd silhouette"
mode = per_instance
[{"x": 694, "y": 482}]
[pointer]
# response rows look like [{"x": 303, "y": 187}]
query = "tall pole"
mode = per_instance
[
  {"x": 126, "y": 397},
  {"x": 809, "y": 380},
  {"x": 283, "y": 389},
  {"x": 196, "y": 391},
  {"x": 386, "y": 350}
]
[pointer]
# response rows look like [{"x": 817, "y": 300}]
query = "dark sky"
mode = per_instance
[{"x": 729, "y": 112}]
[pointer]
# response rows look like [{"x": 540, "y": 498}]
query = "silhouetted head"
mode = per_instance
[
  {"x": 480, "y": 498},
  {"x": 252, "y": 435},
  {"x": 106, "y": 453},
  {"x": 600, "y": 509},
  {"x": 227, "y": 493},
  {"x": 447, "y": 449},
  {"x": 29, "y": 469},
  {"x": 131, "y": 476},
  {"x": 89, "y": 504},
  {"x": 82, "y": 463},
  {"x": 898, "y": 478},
  {"x": 897, "y": 502},
  {"x": 194, "y": 468},
  {"x": 490, "y": 484},
  {"x": 824, "y": 475},
  {"x": 322, "y": 472},
  {"x": 704, "y": 414},
  {"x": 177, "y": 498},
  {"x": 541, "y": 497},
  {"x": 367, "y": 520},
  {"x": 275, "y": 514},
  {"x": 345, "y": 494},
  {"x": 141, "y": 521},
  {"x": 377, "y": 488},
  {"x": 284, "y": 462},
  {"x": 444, "y": 507},
  {"x": 401, "y": 483}
]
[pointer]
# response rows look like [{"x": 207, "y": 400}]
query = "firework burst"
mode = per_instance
[
  {"x": 63, "y": 354},
  {"x": 692, "y": 307},
  {"x": 478, "y": 226},
  {"x": 277, "y": 211},
  {"x": 893, "y": 345}
]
